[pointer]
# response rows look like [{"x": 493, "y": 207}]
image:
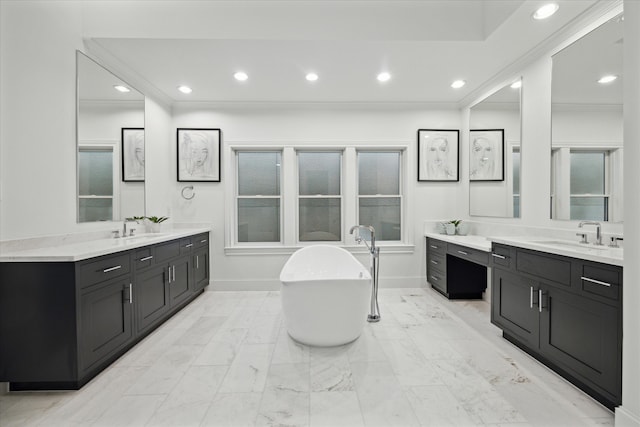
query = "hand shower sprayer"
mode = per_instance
[{"x": 374, "y": 315}]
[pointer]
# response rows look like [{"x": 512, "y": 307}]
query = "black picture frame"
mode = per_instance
[
  {"x": 198, "y": 154},
  {"x": 438, "y": 155},
  {"x": 486, "y": 155},
  {"x": 132, "y": 155}
]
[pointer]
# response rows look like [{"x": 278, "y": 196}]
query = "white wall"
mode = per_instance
[{"x": 314, "y": 125}]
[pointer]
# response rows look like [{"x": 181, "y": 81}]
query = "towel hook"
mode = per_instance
[{"x": 189, "y": 190}]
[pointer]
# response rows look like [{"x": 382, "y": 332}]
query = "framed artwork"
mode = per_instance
[
  {"x": 132, "y": 154},
  {"x": 199, "y": 155},
  {"x": 438, "y": 154},
  {"x": 486, "y": 155}
]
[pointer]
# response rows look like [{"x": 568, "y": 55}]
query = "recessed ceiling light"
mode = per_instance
[
  {"x": 546, "y": 11},
  {"x": 240, "y": 76},
  {"x": 384, "y": 77},
  {"x": 607, "y": 79},
  {"x": 516, "y": 85},
  {"x": 121, "y": 88},
  {"x": 185, "y": 89},
  {"x": 458, "y": 84},
  {"x": 312, "y": 77}
]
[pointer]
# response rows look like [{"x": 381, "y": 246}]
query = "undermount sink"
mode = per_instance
[
  {"x": 574, "y": 245},
  {"x": 139, "y": 238}
]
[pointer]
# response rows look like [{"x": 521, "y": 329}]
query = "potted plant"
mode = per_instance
[
  {"x": 450, "y": 227},
  {"x": 459, "y": 228},
  {"x": 155, "y": 221}
]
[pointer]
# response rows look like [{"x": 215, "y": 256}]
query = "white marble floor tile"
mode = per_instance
[
  {"x": 288, "y": 350},
  {"x": 409, "y": 365},
  {"x": 330, "y": 369},
  {"x": 222, "y": 348},
  {"x": 264, "y": 329},
  {"x": 248, "y": 371},
  {"x": 283, "y": 408},
  {"x": 335, "y": 409},
  {"x": 201, "y": 331},
  {"x": 130, "y": 411},
  {"x": 437, "y": 406},
  {"x": 233, "y": 409},
  {"x": 293, "y": 377}
]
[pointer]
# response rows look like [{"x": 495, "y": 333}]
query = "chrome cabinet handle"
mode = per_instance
[
  {"x": 203, "y": 241},
  {"x": 169, "y": 272},
  {"x": 530, "y": 296},
  {"x": 434, "y": 246},
  {"x": 540, "y": 300},
  {"x": 189, "y": 245},
  {"x": 463, "y": 252},
  {"x": 174, "y": 273},
  {"x": 197, "y": 262},
  {"x": 434, "y": 278},
  {"x": 130, "y": 293},
  {"x": 117, "y": 267},
  {"x": 498, "y": 256},
  {"x": 147, "y": 258},
  {"x": 434, "y": 262},
  {"x": 597, "y": 282}
]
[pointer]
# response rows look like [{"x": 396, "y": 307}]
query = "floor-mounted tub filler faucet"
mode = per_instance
[
  {"x": 598, "y": 235},
  {"x": 374, "y": 315}
]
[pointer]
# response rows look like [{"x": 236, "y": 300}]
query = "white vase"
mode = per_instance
[
  {"x": 462, "y": 229},
  {"x": 450, "y": 228},
  {"x": 154, "y": 227}
]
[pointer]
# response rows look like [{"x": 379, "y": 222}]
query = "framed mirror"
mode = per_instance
[
  {"x": 494, "y": 154},
  {"x": 110, "y": 145},
  {"x": 587, "y": 127}
]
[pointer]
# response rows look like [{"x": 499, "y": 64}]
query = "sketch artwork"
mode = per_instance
[
  {"x": 486, "y": 155},
  {"x": 132, "y": 154},
  {"x": 199, "y": 155},
  {"x": 437, "y": 155}
]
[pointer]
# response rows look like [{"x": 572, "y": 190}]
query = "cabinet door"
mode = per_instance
[
  {"x": 152, "y": 294},
  {"x": 201, "y": 269},
  {"x": 581, "y": 335},
  {"x": 180, "y": 286},
  {"x": 514, "y": 306},
  {"x": 105, "y": 321}
]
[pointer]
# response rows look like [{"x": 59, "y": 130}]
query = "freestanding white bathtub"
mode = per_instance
[{"x": 325, "y": 295}]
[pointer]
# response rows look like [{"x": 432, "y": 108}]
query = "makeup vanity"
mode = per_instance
[{"x": 67, "y": 312}]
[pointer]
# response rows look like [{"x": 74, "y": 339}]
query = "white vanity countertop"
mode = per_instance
[
  {"x": 590, "y": 252},
  {"x": 94, "y": 248},
  {"x": 480, "y": 243}
]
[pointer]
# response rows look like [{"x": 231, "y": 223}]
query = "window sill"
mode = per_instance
[{"x": 392, "y": 248}]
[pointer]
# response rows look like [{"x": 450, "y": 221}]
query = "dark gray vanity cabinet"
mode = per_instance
[
  {"x": 456, "y": 271},
  {"x": 566, "y": 312},
  {"x": 61, "y": 323}
]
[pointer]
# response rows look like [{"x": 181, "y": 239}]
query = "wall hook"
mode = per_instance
[{"x": 188, "y": 193}]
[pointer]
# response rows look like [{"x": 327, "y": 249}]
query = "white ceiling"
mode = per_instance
[{"x": 425, "y": 45}]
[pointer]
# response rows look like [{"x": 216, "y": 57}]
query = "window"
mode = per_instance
[
  {"x": 379, "y": 193},
  {"x": 515, "y": 157},
  {"x": 319, "y": 196},
  {"x": 95, "y": 184},
  {"x": 258, "y": 198},
  {"x": 588, "y": 183}
]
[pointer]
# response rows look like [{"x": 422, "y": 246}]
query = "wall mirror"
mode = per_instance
[
  {"x": 494, "y": 154},
  {"x": 587, "y": 127},
  {"x": 110, "y": 145}
]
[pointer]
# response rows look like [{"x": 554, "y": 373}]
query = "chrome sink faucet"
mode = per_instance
[
  {"x": 598, "y": 234},
  {"x": 124, "y": 228}
]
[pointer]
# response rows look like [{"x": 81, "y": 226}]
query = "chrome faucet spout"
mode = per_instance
[{"x": 598, "y": 228}]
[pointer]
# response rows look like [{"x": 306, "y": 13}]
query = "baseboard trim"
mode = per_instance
[{"x": 625, "y": 418}]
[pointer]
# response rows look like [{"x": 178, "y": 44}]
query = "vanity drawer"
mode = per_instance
[
  {"x": 438, "y": 280},
  {"x": 104, "y": 268},
  {"x": 166, "y": 251},
  {"x": 143, "y": 257},
  {"x": 501, "y": 255},
  {"x": 600, "y": 280},
  {"x": 201, "y": 240},
  {"x": 186, "y": 245},
  {"x": 464, "y": 252},
  {"x": 436, "y": 261},
  {"x": 548, "y": 267},
  {"x": 436, "y": 246}
]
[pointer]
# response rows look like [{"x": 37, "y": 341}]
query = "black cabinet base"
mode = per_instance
[
  {"x": 609, "y": 401},
  {"x": 473, "y": 295}
]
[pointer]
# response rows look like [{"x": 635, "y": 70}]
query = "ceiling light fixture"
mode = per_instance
[
  {"x": 241, "y": 76},
  {"x": 546, "y": 11},
  {"x": 185, "y": 89},
  {"x": 312, "y": 77},
  {"x": 458, "y": 84},
  {"x": 607, "y": 79},
  {"x": 516, "y": 85},
  {"x": 121, "y": 88},
  {"x": 384, "y": 77}
]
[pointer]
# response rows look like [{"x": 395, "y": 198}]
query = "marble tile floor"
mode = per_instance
[{"x": 226, "y": 360}]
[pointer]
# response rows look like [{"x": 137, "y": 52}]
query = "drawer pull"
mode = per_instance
[
  {"x": 189, "y": 245},
  {"x": 117, "y": 267},
  {"x": 197, "y": 262},
  {"x": 434, "y": 262},
  {"x": 435, "y": 247},
  {"x": 203, "y": 241},
  {"x": 434, "y": 278},
  {"x": 147, "y": 258},
  {"x": 463, "y": 252},
  {"x": 130, "y": 293},
  {"x": 530, "y": 296},
  {"x": 597, "y": 282},
  {"x": 498, "y": 256},
  {"x": 540, "y": 300}
]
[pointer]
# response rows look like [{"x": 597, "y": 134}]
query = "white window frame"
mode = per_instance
[
  {"x": 606, "y": 195},
  {"x": 114, "y": 147}
]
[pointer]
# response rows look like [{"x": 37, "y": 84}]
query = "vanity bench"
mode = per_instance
[{"x": 68, "y": 312}]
